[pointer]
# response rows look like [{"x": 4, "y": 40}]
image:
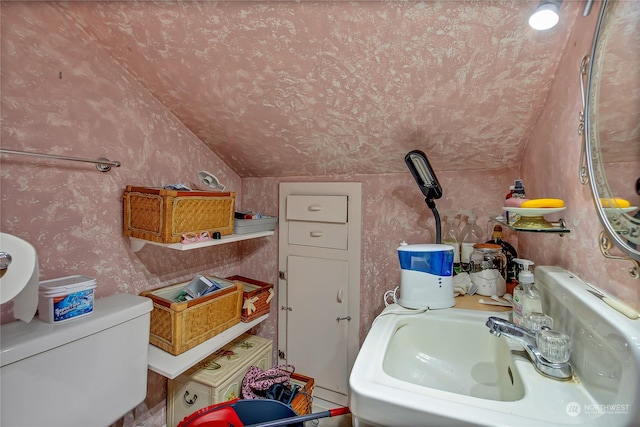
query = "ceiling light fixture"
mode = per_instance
[{"x": 546, "y": 15}]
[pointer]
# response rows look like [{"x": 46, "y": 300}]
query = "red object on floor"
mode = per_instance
[{"x": 253, "y": 413}]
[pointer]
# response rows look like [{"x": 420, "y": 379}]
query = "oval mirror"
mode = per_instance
[{"x": 612, "y": 124}]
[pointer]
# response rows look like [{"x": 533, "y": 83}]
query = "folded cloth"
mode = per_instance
[{"x": 461, "y": 283}]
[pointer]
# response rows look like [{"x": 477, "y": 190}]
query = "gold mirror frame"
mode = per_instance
[{"x": 621, "y": 228}]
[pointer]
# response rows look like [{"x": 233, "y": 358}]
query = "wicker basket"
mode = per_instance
[
  {"x": 257, "y": 297},
  {"x": 179, "y": 326},
  {"x": 303, "y": 402},
  {"x": 165, "y": 215}
]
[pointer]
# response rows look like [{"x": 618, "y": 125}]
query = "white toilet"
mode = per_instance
[{"x": 86, "y": 372}]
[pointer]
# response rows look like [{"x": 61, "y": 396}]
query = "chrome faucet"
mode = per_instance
[{"x": 527, "y": 338}]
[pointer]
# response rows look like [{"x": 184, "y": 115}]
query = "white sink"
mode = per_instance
[
  {"x": 443, "y": 367},
  {"x": 478, "y": 365}
]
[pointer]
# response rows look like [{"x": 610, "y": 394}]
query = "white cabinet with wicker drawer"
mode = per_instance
[{"x": 216, "y": 379}]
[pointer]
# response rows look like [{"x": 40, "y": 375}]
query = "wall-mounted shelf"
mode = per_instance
[
  {"x": 170, "y": 366},
  {"x": 137, "y": 244},
  {"x": 559, "y": 227}
]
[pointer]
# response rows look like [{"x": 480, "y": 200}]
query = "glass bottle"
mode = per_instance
[
  {"x": 471, "y": 234},
  {"x": 487, "y": 269},
  {"x": 508, "y": 250},
  {"x": 450, "y": 237}
]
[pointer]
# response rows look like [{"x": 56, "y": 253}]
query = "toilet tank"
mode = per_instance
[{"x": 86, "y": 372}]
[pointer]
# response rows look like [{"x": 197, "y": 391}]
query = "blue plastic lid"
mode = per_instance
[{"x": 428, "y": 258}]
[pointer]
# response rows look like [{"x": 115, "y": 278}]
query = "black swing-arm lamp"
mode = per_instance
[{"x": 426, "y": 179}]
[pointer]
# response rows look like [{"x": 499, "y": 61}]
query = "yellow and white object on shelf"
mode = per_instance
[
  {"x": 543, "y": 203},
  {"x": 530, "y": 214}
]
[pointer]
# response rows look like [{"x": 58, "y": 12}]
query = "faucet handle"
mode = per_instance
[
  {"x": 536, "y": 321},
  {"x": 554, "y": 346}
]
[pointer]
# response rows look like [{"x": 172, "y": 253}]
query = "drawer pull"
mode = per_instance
[
  {"x": 190, "y": 401},
  {"x": 316, "y": 234},
  {"x": 315, "y": 208}
]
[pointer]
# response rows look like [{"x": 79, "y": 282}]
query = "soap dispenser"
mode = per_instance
[{"x": 526, "y": 298}]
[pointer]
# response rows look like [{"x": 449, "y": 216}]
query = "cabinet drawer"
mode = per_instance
[
  {"x": 232, "y": 387},
  {"x": 318, "y": 234},
  {"x": 183, "y": 399},
  {"x": 217, "y": 378},
  {"x": 317, "y": 208}
]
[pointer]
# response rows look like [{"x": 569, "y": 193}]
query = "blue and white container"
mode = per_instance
[
  {"x": 66, "y": 298},
  {"x": 426, "y": 276}
]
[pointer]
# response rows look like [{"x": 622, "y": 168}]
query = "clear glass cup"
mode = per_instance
[{"x": 554, "y": 346}]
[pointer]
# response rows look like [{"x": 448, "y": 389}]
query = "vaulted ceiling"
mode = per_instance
[{"x": 300, "y": 88}]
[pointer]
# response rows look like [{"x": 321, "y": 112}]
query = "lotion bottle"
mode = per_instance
[
  {"x": 521, "y": 291},
  {"x": 532, "y": 301}
]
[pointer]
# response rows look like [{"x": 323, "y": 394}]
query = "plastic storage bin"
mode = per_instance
[
  {"x": 245, "y": 226},
  {"x": 66, "y": 298}
]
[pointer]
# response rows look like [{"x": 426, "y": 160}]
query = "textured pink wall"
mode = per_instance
[
  {"x": 339, "y": 86},
  {"x": 393, "y": 210},
  {"x": 61, "y": 93},
  {"x": 550, "y": 169}
]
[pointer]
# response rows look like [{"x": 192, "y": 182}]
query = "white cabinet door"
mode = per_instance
[
  {"x": 319, "y": 260},
  {"x": 317, "y": 298}
]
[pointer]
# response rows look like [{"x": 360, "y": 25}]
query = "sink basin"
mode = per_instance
[
  {"x": 477, "y": 364},
  {"x": 443, "y": 367}
]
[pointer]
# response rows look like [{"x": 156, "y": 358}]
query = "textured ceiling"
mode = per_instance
[{"x": 281, "y": 88}]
